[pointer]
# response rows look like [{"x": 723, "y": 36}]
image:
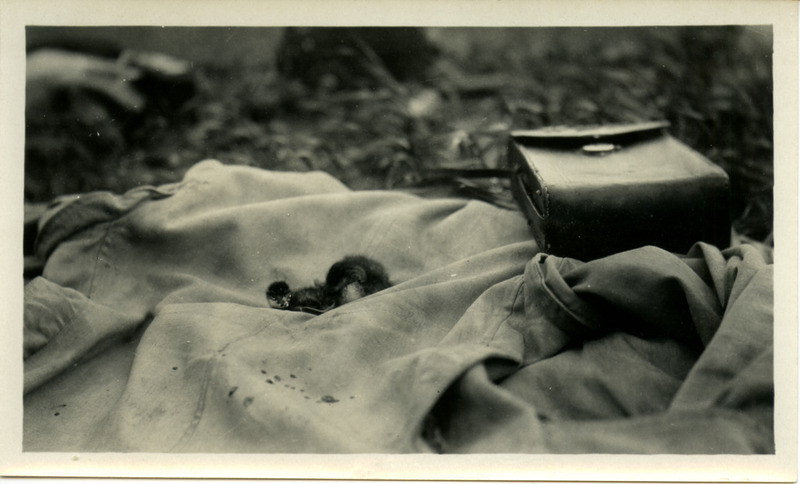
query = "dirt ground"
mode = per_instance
[{"x": 380, "y": 109}]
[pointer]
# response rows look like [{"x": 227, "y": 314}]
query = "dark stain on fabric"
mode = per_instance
[
  {"x": 277, "y": 378},
  {"x": 174, "y": 368},
  {"x": 306, "y": 397},
  {"x": 328, "y": 399},
  {"x": 232, "y": 391},
  {"x": 292, "y": 376},
  {"x": 269, "y": 381},
  {"x": 247, "y": 401},
  {"x": 57, "y": 414},
  {"x": 352, "y": 397},
  {"x": 263, "y": 372}
]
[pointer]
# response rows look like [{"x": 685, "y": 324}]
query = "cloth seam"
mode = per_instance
[{"x": 100, "y": 251}]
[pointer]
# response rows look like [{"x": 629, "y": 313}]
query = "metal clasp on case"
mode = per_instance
[{"x": 599, "y": 149}]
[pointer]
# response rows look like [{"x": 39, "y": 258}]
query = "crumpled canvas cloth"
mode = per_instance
[{"x": 149, "y": 330}]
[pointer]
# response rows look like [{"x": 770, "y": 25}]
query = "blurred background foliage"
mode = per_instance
[{"x": 380, "y": 108}]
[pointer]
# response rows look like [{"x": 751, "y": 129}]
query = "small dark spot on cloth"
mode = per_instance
[
  {"x": 302, "y": 391},
  {"x": 292, "y": 376},
  {"x": 263, "y": 372},
  {"x": 328, "y": 399},
  {"x": 277, "y": 378},
  {"x": 174, "y": 367},
  {"x": 309, "y": 369},
  {"x": 232, "y": 391},
  {"x": 292, "y": 388},
  {"x": 223, "y": 355},
  {"x": 306, "y": 397},
  {"x": 352, "y": 397},
  {"x": 57, "y": 414},
  {"x": 287, "y": 386},
  {"x": 247, "y": 401},
  {"x": 269, "y": 381}
]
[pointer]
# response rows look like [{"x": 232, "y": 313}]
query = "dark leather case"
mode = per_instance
[{"x": 592, "y": 192}]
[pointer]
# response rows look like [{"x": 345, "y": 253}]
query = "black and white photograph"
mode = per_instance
[{"x": 362, "y": 242}]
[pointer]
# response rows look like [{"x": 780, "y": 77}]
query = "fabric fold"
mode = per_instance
[
  {"x": 626, "y": 366},
  {"x": 63, "y": 327}
]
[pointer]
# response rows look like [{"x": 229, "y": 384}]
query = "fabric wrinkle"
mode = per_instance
[
  {"x": 199, "y": 409},
  {"x": 511, "y": 312}
]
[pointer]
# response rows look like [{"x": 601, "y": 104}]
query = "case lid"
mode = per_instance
[
  {"x": 608, "y": 156},
  {"x": 587, "y": 135}
]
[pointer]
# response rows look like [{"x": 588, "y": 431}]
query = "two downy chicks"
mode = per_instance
[{"x": 349, "y": 279}]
